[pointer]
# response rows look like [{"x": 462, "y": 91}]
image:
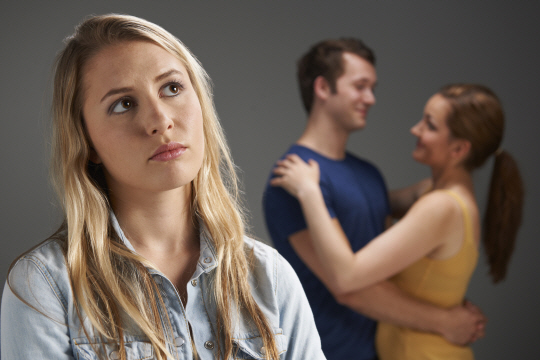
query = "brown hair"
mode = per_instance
[
  {"x": 476, "y": 115},
  {"x": 325, "y": 59}
]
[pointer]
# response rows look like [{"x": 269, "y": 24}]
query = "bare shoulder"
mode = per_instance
[{"x": 436, "y": 204}]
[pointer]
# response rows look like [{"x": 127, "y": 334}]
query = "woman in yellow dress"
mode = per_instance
[{"x": 433, "y": 250}]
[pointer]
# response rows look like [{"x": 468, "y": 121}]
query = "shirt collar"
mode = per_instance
[{"x": 207, "y": 258}]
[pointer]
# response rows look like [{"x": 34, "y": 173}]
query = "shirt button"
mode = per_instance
[
  {"x": 209, "y": 345},
  {"x": 207, "y": 260},
  {"x": 263, "y": 351},
  {"x": 178, "y": 341},
  {"x": 114, "y": 355},
  {"x": 194, "y": 282}
]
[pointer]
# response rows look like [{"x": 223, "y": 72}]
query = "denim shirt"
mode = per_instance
[{"x": 40, "y": 277}]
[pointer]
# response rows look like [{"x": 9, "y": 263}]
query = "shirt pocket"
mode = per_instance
[
  {"x": 250, "y": 345},
  {"x": 137, "y": 348}
]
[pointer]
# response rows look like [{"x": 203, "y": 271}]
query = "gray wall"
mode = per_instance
[{"x": 250, "y": 48}]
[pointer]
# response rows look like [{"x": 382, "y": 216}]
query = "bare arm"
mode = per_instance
[
  {"x": 423, "y": 230},
  {"x": 386, "y": 302}
]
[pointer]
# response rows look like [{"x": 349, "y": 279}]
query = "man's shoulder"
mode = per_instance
[
  {"x": 362, "y": 164},
  {"x": 304, "y": 152}
]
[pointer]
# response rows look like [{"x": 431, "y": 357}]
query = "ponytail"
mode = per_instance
[{"x": 503, "y": 214}]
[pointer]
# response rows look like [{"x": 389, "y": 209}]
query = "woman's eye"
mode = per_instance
[
  {"x": 171, "y": 90},
  {"x": 122, "y": 106}
]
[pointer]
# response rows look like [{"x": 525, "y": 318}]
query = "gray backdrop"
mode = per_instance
[{"x": 250, "y": 48}]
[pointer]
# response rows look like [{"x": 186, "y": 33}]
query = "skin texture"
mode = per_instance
[
  {"x": 435, "y": 146},
  {"x": 336, "y": 114},
  {"x": 138, "y": 97},
  {"x": 349, "y": 104},
  {"x": 127, "y": 127}
]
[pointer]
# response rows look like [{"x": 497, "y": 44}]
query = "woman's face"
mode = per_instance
[
  {"x": 143, "y": 117},
  {"x": 435, "y": 142}
]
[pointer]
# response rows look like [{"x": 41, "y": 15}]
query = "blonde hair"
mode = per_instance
[{"x": 108, "y": 279}]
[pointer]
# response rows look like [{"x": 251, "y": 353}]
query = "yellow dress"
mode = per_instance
[{"x": 441, "y": 282}]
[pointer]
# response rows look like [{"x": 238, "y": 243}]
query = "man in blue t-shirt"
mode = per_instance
[{"x": 336, "y": 79}]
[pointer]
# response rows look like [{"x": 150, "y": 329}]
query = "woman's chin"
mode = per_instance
[{"x": 417, "y": 157}]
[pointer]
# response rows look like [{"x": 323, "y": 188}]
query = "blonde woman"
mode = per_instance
[
  {"x": 151, "y": 261},
  {"x": 432, "y": 251}
]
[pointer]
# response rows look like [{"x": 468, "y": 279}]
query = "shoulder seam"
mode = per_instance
[{"x": 47, "y": 275}]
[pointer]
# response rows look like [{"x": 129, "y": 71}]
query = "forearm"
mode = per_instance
[
  {"x": 402, "y": 199},
  {"x": 387, "y": 303},
  {"x": 330, "y": 243}
]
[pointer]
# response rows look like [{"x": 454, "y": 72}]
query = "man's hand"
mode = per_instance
[{"x": 465, "y": 324}]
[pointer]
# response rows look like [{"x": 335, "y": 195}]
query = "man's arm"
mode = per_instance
[
  {"x": 386, "y": 302},
  {"x": 402, "y": 199}
]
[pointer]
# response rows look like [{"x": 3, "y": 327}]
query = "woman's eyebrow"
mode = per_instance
[
  {"x": 166, "y": 74},
  {"x": 127, "y": 89},
  {"x": 116, "y": 91}
]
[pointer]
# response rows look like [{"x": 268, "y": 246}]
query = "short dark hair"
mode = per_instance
[{"x": 326, "y": 59}]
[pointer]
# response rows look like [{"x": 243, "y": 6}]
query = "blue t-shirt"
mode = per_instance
[{"x": 355, "y": 193}]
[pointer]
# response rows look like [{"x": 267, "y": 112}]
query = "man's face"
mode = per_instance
[{"x": 348, "y": 105}]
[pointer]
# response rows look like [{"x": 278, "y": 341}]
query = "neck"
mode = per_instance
[
  {"x": 446, "y": 178},
  {"x": 157, "y": 222},
  {"x": 324, "y": 136}
]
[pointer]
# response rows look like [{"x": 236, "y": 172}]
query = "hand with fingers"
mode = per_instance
[
  {"x": 481, "y": 323},
  {"x": 296, "y": 176},
  {"x": 465, "y": 324}
]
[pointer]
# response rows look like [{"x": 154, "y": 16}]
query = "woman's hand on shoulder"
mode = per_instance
[{"x": 296, "y": 176}]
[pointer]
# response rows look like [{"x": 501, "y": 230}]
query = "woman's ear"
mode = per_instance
[
  {"x": 321, "y": 88},
  {"x": 461, "y": 149}
]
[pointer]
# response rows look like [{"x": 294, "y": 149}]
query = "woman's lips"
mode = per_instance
[{"x": 168, "y": 152}]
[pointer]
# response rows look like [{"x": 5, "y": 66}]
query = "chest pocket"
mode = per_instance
[
  {"x": 250, "y": 346},
  {"x": 96, "y": 349}
]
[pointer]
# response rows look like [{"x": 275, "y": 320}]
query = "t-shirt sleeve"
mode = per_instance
[{"x": 283, "y": 212}]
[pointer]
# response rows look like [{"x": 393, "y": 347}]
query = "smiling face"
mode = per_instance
[
  {"x": 435, "y": 143},
  {"x": 353, "y": 96},
  {"x": 143, "y": 118}
]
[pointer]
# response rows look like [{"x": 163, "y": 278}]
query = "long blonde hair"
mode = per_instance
[{"x": 108, "y": 279}]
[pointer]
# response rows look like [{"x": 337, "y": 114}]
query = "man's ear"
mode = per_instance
[
  {"x": 321, "y": 88},
  {"x": 94, "y": 157}
]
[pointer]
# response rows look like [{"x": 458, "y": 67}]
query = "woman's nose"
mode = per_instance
[
  {"x": 158, "y": 121},
  {"x": 415, "y": 130}
]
